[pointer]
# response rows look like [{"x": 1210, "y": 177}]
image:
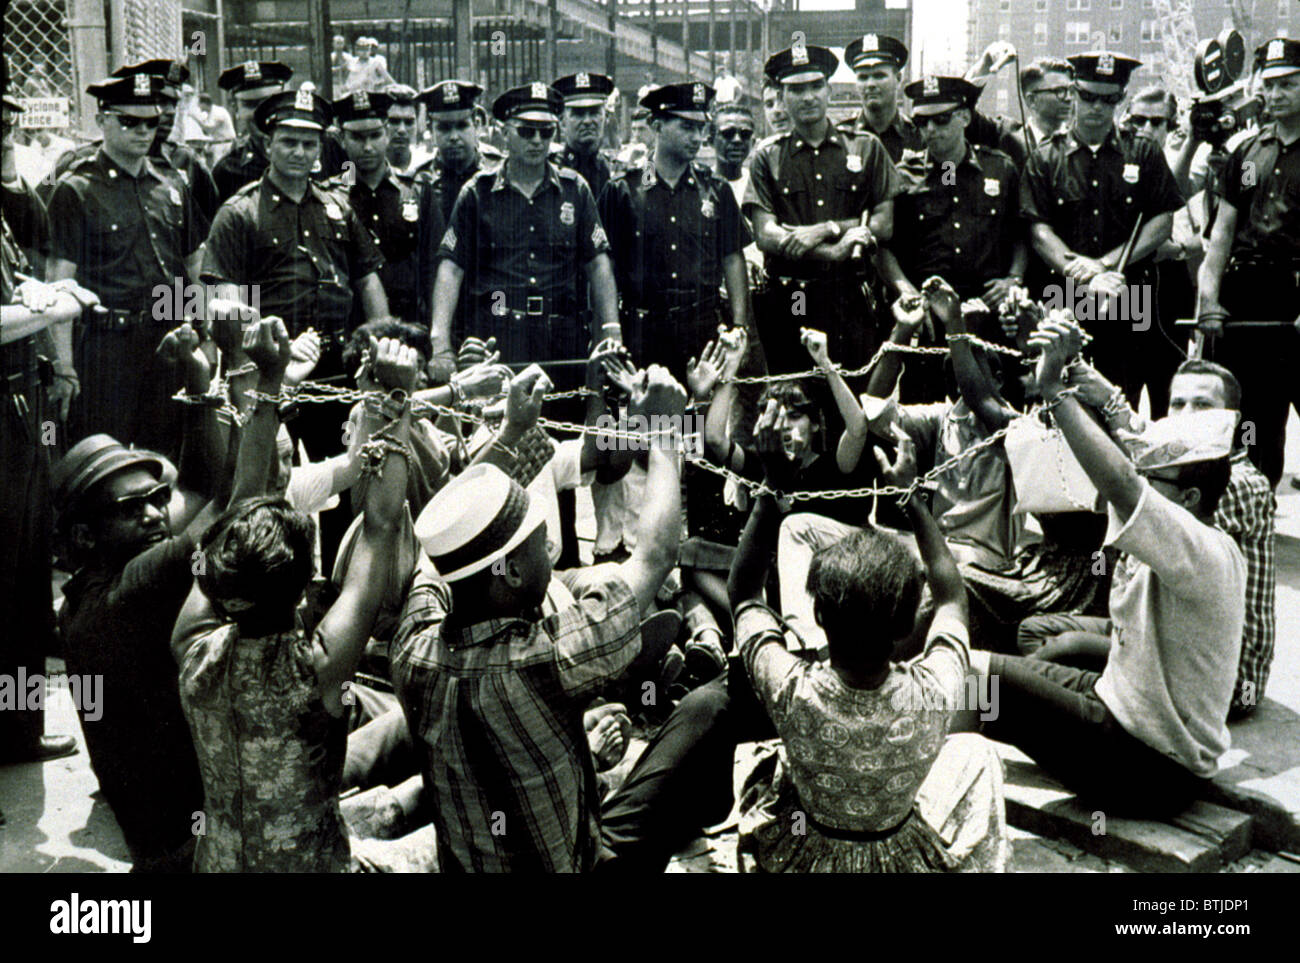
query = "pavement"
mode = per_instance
[{"x": 57, "y": 822}]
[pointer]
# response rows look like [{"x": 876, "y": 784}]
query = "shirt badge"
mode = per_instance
[
  {"x": 333, "y": 212},
  {"x": 648, "y": 178},
  {"x": 175, "y": 195},
  {"x": 566, "y": 213},
  {"x": 316, "y": 168},
  {"x": 1130, "y": 173},
  {"x": 598, "y": 237},
  {"x": 302, "y": 100},
  {"x": 992, "y": 186},
  {"x": 854, "y": 163},
  {"x": 449, "y": 239},
  {"x": 410, "y": 210},
  {"x": 706, "y": 209}
]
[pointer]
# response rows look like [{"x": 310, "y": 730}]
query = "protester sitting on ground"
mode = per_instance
[
  {"x": 131, "y": 531},
  {"x": 494, "y": 691},
  {"x": 865, "y": 781},
  {"x": 803, "y": 427},
  {"x": 1246, "y": 512},
  {"x": 266, "y": 702},
  {"x": 1139, "y": 737}
]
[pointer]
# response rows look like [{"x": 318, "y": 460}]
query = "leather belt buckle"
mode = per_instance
[{"x": 534, "y": 305}]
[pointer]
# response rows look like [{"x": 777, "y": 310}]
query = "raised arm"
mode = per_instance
[
  {"x": 848, "y": 451},
  {"x": 718, "y": 447},
  {"x": 909, "y": 315},
  {"x": 267, "y": 345},
  {"x": 974, "y": 379}
]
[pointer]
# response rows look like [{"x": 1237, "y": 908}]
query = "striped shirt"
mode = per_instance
[
  {"x": 497, "y": 709},
  {"x": 1246, "y": 513}
]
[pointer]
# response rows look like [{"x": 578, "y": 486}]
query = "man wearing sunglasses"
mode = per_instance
[
  {"x": 819, "y": 198},
  {"x": 676, "y": 237},
  {"x": 122, "y": 225},
  {"x": 520, "y": 243},
  {"x": 957, "y": 216},
  {"x": 1048, "y": 86},
  {"x": 733, "y": 138},
  {"x": 1081, "y": 194}
]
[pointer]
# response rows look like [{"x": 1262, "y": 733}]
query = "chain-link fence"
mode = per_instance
[
  {"x": 38, "y": 49},
  {"x": 145, "y": 29}
]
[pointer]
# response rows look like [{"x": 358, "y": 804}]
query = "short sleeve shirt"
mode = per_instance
[{"x": 1262, "y": 181}]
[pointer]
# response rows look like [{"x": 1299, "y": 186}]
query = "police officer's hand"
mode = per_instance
[
  {"x": 482, "y": 380},
  {"x": 734, "y": 343},
  {"x": 524, "y": 399},
  {"x": 662, "y": 394},
  {"x": 997, "y": 290},
  {"x": 36, "y": 296},
  {"x": 856, "y": 241},
  {"x": 474, "y": 351},
  {"x": 803, "y": 239},
  {"x": 814, "y": 343},
  {"x": 704, "y": 373},
  {"x": 267, "y": 345},
  {"x": 394, "y": 364},
  {"x": 1107, "y": 286},
  {"x": 1210, "y": 315},
  {"x": 902, "y": 470},
  {"x": 304, "y": 355},
  {"x": 86, "y": 297},
  {"x": 1082, "y": 269}
]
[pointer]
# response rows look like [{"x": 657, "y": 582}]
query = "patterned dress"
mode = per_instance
[
  {"x": 271, "y": 756},
  {"x": 864, "y": 780}
]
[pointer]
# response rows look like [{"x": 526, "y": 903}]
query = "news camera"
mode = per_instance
[{"x": 1227, "y": 105}]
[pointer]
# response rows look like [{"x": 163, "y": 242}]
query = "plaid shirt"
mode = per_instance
[
  {"x": 497, "y": 707},
  {"x": 1246, "y": 513}
]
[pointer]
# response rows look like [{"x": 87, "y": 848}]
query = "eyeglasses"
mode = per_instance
[
  {"x": 939, "y": 120},
  {"x": 1137, "y": 120},
  {"x": 1060, "y": 93},
  {"x": 132, "y": 507},
  {"x": 1088, "y": 97},
  {"x": 130, "y": 122},
  {"x": 736, "y": 133},
  {"x": 544, "y": 131}
]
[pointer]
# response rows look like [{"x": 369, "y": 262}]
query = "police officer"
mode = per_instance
[
  {"x": 1081, "y": 193},
  {"x": 301, "y": 244},
  {"x": 519, "y": 243},
  {"x": 676, "y": 236},
  {"x": 387, "y": 203},
  {"x": 122, "y": 225},
  {"x": 819, "y": 198},
  {"x": 582, "y": 125},
  {"x": 401, "y": 129},
  {"x": 1251, "y": 270},
  {"x": 459, "y": 156},
  {"x": 251, "y": 84}
]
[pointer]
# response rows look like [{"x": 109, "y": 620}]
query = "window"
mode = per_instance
[
  {"x": 1078, "y": 4},
  {"x": 1076, "y": 31},
  {"x": 1040, "y": 6},
  {"x": 1116, "y": 33},
  {"x": 1040, "y": 35},
  {"x": 1004, "y": 31},
  {"x": 1117, "y": 4},
  {"x": 1148, "y": 31},
  {"x": 1004, "y": 6}
]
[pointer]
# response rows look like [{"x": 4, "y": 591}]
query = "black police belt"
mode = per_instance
[
  {"x": 122, "y": 319},
  {"x": 1283, "y": 270},
  {"x": 674, "y": 311},
  {"x": 532, "y": 306}
]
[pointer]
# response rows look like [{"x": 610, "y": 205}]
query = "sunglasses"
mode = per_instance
[
  {"x": 1060, "y": 93},
  {"x": 1137, "y": 120},
  {"x": 939, "y": 120},
  {"x": 129, "y": 122},
  {"x": 544, "y": 131},
  {"x": 736, "y": 133},
  {"x": 1088, "y": 97},
  {"x": 132, "y": 507}
]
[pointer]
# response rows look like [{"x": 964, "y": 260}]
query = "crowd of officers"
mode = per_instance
[{"x": 321, "y": 214}]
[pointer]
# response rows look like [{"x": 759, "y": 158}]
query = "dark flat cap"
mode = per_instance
[
  {"x": 801, "y": 63},
  {"x": 450, "y": 96},
  {"x": 1103, "y": 67},
  {"x": 936, "y": 95},
  {"x": 93, "y": 459},
  {"x": 255, "y": 78},
  {"x": 874, "y": 48},
  {"x": 293, "y": 108},
  {"x": 536, "y": 102},
  {"x": 584, "y": 89},
  {"x": 689, "y": 101}
]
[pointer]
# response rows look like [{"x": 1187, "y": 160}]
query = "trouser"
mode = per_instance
[
  {"x": 125, "y": 389},
  {"x": 671, "y": 338},
  {"x": 1052, "y": 713},
  {"x": 837, "y": 306},
  {"x": 1265, "y": 360},
  {"x": 802, "y": 536},
  {"x": 26, "y": 520}
]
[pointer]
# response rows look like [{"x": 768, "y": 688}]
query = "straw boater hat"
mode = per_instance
[{"x": 482, "y": 515}]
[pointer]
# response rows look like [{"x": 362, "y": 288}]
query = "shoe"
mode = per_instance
[
  {"x": 1295, "y": 481},
  {"x": 705, "y": 661},
  {"x": 50, "y": 747}
]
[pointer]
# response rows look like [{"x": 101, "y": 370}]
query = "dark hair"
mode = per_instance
[
  {"x": 865, "y": 590},
  {"x": 1211, "y": 477},
  {"x": 411, "y": 335},
  {"x": 1231, "y": 386},
  {"x": 1031, "y": 75},
  {"x": 1155, "y": 92},
  {"x": 259, "y": 552},
  {"x": 800, "y": 399}
]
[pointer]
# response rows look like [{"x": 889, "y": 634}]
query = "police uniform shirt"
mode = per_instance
[
  {"x": 125, "y": 234},
  {"x": 525, "y": 246},
  {"x": 247, "y": 161},
  {"x": 669, "y": 243},
  {"x": 391, "y": 212},
  {"x": 965, "y": 231},
  {"x": 799, "y": 184},
  {"x": 305, "y": 256},
  {"x": 27, "y": 219},
  {"x": 1262, "y": 181},
  {"x": 903, "y": 135},
  {"x": 900, "y": 135},
  {"x": 594, "y": 168},
  {"x": 1091, "y": 200},
  {"x": 195, "y": 174}
]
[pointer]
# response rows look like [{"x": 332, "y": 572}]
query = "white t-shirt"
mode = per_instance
[
  {"x": 1177, "y": 603},
  {"x": 562, "y": 473}
]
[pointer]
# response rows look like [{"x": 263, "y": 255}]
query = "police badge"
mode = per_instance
[
  {"x": 854, "y": 163},
  {"x": 333, "y": 212},
  {"x": 992, "y": 186},
  {"x": 410, "y": 210},
  {"x": 1130, "y": 174},
  {"x": 707, "y": 210},
  {"x": 566, "y": 213},
  {"x": 302, "y": 100},
  {"x": 143, "y": 85}
]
